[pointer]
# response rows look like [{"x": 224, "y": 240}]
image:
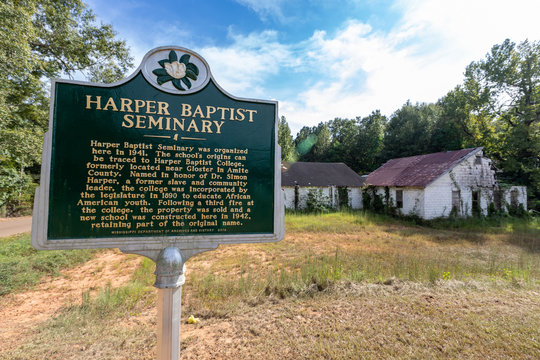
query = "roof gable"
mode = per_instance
[
  {"x": 418, "y": 171},
  {"x": 318, "y": 174}
]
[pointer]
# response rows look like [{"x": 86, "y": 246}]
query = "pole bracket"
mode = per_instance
[{"x": 170, "y": 269}]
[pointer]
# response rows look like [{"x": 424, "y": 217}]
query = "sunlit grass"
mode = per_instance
[
  {"x": 22, "y": 266},
  {"x": 325, "y": 249},
  {"x": 307, "y": 273}
]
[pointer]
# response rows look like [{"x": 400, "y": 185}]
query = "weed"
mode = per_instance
[
  {"x": 119, "y": 301},
  {"x": 287, "y": 299},
  {"x": 21, "y": 266}
]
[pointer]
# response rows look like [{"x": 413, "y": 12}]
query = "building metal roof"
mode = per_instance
[
  {"x": 318, "y": 174},
  {"x": 418, "y": 171}
]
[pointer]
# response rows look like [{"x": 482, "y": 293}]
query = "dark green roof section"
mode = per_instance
[{"x": 319, "y": 174}]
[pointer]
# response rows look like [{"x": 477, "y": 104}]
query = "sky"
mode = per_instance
[{"x": 323, "y": 59}]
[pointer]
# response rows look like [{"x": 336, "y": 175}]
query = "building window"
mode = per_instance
[
  {"x": 514, "y": 198},
  {"x": 399, "y": 199},
  {"x": 476, "y": 203},
  {"x": 478, "y": 160},
  {"x": 456, "y": 201}
]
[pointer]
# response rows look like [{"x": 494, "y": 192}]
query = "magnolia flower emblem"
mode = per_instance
[{"x": 176, "y": 71}]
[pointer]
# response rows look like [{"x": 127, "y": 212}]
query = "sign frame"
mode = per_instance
[{"x": 150, "y": 245}]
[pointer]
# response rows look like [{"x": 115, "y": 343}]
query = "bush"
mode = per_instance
[
  {"x": 317, "y": 201},
  {"x": 378, "y": 204},
  {"x": 517, "y": 211},
  {"x": 492, "y": 210},
  {"x": 366, "y": 200}
]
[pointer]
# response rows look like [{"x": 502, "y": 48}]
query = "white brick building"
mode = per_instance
[
  {"x": 462, "y": 182},
  {"x": 335, "y": 183}
]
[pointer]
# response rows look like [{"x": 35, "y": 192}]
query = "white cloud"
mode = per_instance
[
  {"x": 421, "y": 59},
  {"x": 471, "y": 26},
  {"x": 243, "y": 67},
  {"x": 359, "y": 68},
  {"x": 366, "y": 71},
  {"x": 265, "y": 8}
]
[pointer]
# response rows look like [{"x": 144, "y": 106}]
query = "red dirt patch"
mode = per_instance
[{"x": 23, "y": 311}]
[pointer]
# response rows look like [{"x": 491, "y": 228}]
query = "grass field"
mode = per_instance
[
  {"x": 21, "y": 266},
  {"x": 339, "y": 286}
]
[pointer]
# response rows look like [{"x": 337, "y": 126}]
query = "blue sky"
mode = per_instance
[{"x": 323, "y": 59}]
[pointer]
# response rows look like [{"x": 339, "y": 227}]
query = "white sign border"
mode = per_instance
[{"x": 40, "y": 241}]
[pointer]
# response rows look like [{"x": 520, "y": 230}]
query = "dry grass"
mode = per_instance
[
  {"x": 339, "y": 286},
  {"x": 379, "y": 323}
]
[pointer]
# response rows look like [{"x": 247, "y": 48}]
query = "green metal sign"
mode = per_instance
[{"x": 164, "y": 157}]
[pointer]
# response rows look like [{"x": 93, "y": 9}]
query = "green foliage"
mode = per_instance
[
  {"x": 356, "y": 142},
  {"x": 378, "y": 204},
  {"x": 369, "y": 144},
  {"x": 19, "y": 149},
  {"x": 492, "y": 209},
  {"x": 304, "y": 142},
  {"x": 507, "y": 84},
  {"x": 22, "y": 266},
  {"x": 15, "y": 191},
  {"x": 517, "y": 211},
  {"x": 119, "y": 301},
  {"x": 372, "y": 201},
  {"x": 317, "y": 201},
  {"x": 448, "y": 131},
  {"x": 41, "y": 40},
  {"x": 343, "y": 136},
  {"x": 408, "y": 130},
  {"x": 285, "y": 140},
  {"x": 496, "y": 107},
  {"x": 366, "y": 200},
  {"x": 343, "y": 195}
]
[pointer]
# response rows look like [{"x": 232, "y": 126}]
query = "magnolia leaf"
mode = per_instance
[
  {"x": 163, "y": 79},
  {"x": 186, "y": 81},
  {"x": 193, "y": 68},
  {"x": 178, "y": 84},
  {"x": 160, "y": 72},
  {"x": 163, "y": 62},
  {"x": 190, "y": 74},
  {"x": 185, "y": 59},
  {"x": 173, "y": 56}
]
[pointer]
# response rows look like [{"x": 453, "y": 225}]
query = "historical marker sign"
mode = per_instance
[{"x": 164, "y": 158}]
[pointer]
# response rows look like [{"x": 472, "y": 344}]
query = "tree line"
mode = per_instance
[{"x": 497, "y": 106}]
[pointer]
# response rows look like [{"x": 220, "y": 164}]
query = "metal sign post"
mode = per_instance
[
  {"x": 170, "y": 277},
  {"x": 164, "y": 164}
]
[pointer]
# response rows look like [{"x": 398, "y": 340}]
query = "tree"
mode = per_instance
[
  {"x": 40, "y": 40},
  {"x": 369, "y": 142},
  {"x": 344, "y": 133},
  {"x": 407, "y": 132},
  {"x": 447, "y": 131},
  {"x": 465, "y": 121},
  {"x": 285, "y": 140},
  {"x": 304, "y": 142},
  {"x": 508, "y": 84},
  {"x": 313, "y": 143},
  {"x": 323, "y": 143}
]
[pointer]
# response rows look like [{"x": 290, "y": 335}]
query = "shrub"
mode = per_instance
[
  {"x": 492, "y": 209},
  {"x": 317, "y": 201},
  {"x": 366, "y": 200}
]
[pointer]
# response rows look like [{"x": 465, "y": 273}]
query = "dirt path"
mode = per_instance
[
  {"x": 13, "y": 226},
  {"x": 21, "y": 312}
]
